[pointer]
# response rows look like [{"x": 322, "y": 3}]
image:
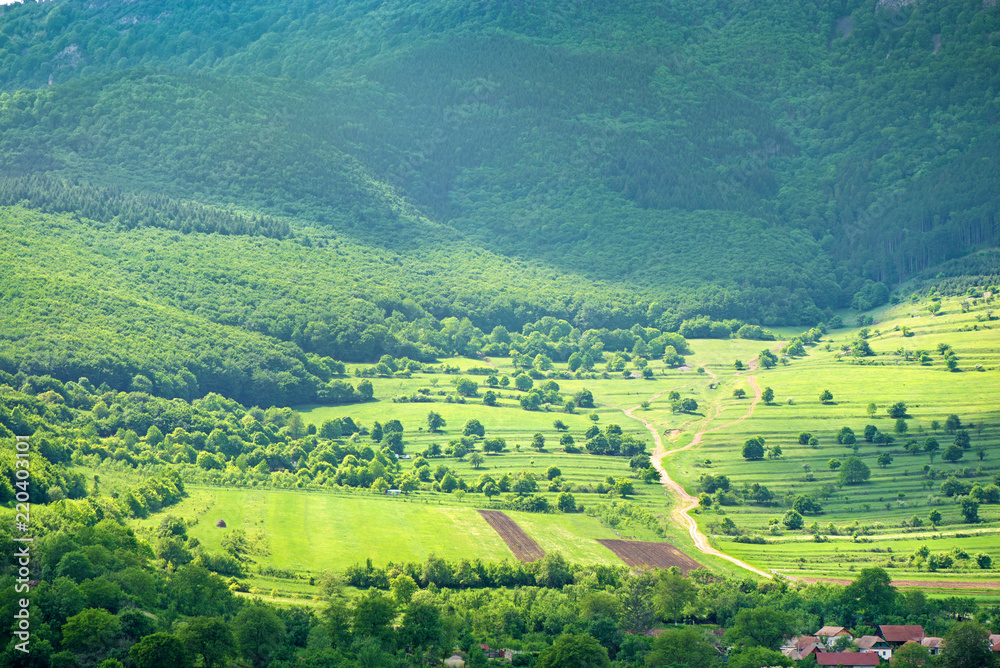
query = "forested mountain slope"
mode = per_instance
[{"x": 763, "y": 161}]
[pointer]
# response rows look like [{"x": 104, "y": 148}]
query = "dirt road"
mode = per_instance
[{"x": 680, "y": 513}]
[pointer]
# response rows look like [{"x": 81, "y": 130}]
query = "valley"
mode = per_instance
[{"x": 551, "y": 334}]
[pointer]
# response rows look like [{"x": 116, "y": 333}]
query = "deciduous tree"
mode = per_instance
[
  {"x": 259, "y": 632},
  {"x": 966, "y": 645},
  {"x": 474, "y": 427},
  {"x": 565, "y": 502},
  {"x": 970, "y": 509},
  {"x": 792, "y": 520},
  {"x": 574, "y": 650},
  {"x": 422, "y": 627},
  {"x": 688, "y": 647},
  {"x": 210, "y": 638},
  {"x": 854, "y": 471},
  {"x": 673, "y": 591},
  {"x": 90, "y": 630},
  {"x": 160, "y": 650},
  {"x": 435, "y": 421},
  {"x": 467, "y": 387},
  {"x": 911, "y": 655},
  {"x": 953, "y": 453},
  {"x": 870, "y": 597},
  {"x": 758, "y": 657},
  {"x": 897, "y": 410},
  {"x": 760, "y": 627},
  {"x": 753, "y": 448}
]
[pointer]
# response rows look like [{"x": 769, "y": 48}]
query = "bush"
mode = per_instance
[{"x": 792, "y": 520}]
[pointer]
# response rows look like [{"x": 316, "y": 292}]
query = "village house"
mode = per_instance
[
  {"x": 897, "y": 636},
  {"x": 829, "y": 634},
  {"x": 933, "y": 644},
  {"x": 874, "y": 645},
  {"x": 847, "y": 659},
  {"x": 802, "y": 647}
]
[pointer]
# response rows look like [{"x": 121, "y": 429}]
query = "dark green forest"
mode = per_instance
[
  {"x": 268, "y": 321},
  {"x": 667, "y": 146}
]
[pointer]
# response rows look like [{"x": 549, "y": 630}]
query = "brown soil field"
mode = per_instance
[
  {"x": 659, "y": 555},
  {"x": 521, "y": 544},
  {"x": 933, "y": 584}
]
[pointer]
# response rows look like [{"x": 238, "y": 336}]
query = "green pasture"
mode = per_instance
[
  {"x": 517, "y": 426},
  {"x": 894, "y": 494},
  {"x": 508, "y": 419},
  {"x": 612, "y": 396},
  {"x": 842, "y": 559},
  {"x": 313, "y": 531},
  {"x": 308, "y": 532},
  {"x": 317, "y": 530},
  {"x": 807, "y": 558},
  {"x": 575, "y": 536}
]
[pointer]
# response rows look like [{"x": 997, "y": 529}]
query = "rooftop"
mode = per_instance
[
  {"x": 867, "y": 642},
  {"x": 847, "y": 659},
  {"x": 901, "y": 633}
]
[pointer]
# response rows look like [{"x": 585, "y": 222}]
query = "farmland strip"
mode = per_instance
[
  {"x": 521, "y": 544},
  {"x": 637, "y": 553}
]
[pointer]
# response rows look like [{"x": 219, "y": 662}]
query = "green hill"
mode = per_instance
[{"x": 634, "y": 165}]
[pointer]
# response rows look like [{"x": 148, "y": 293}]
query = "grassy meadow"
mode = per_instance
[
  {"x": 312, "y": 531},
  {"x": 884, "y": 506},
  {"x": 308, "y": 532},
  {"x": 612, "y": 396},
  {"x": 865, "y": 524}
]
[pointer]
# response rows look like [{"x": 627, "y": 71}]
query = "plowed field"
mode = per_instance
[
  {"x": 659, "y": 555},
  {"x": 521, "y": 544}
]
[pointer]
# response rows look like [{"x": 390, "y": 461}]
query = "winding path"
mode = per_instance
[{"x": 681, "y": 513}]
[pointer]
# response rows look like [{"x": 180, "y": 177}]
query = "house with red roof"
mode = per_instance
[
  {"x": 801, "y": 647},
  {"x": 847, "y": 659},
  {"x": 897, "y": 636}
]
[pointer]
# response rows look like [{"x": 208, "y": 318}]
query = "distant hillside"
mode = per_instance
[
  {"x": 268, "y": 321},
  {"x": 763, "y": 161}
]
